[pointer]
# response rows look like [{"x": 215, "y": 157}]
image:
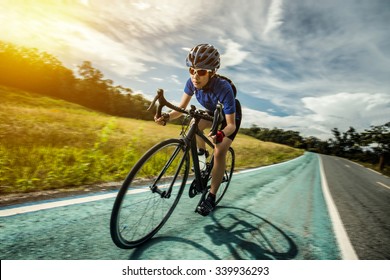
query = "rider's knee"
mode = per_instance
[{"x": 220, "y": 153}]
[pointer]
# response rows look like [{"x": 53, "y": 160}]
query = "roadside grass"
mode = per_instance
[{"x": 47, "y": 144}]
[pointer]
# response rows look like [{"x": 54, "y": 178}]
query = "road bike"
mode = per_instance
[{"x": 153, "y": 187}]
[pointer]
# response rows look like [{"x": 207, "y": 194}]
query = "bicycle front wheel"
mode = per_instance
[
  {"x": 149, "y": 194},
  {"x": 227, "y": 176}
]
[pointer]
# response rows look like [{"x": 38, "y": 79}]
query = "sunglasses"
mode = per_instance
[{"x": 200, "y": 72}]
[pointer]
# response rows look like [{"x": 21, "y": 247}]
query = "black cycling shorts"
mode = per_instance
[{"x": 238, "y": 121}]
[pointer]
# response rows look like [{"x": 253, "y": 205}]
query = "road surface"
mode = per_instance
[{"x": 276, "y": 212}]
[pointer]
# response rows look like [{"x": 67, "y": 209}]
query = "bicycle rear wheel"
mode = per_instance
[
  {"x": 149, "y": 194},
  {"x": 227, "y": 177}
]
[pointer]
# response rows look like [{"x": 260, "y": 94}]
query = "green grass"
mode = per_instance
[{"x": 47, "y": 143}]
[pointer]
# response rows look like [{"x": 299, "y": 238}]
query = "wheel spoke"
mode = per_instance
[{"x": 137, "y": 216}]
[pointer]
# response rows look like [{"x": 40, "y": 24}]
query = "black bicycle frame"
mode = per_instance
[{"x": 191, "y": 138}]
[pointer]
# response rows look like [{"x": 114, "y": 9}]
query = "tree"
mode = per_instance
[
  {"x": 33, "y": 70},
  {"x": 337, "y": 144},
  {"x": 378, "y": 137}
]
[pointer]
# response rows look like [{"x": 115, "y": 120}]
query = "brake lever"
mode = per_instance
[
  {"x": 218, "y": 116},
  {"x": 159, "y": 96},
  {"x": 153, "y": 103}
]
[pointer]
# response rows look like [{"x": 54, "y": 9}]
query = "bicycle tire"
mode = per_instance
[
  {"x": 138, "y": 212},
  {"x": 227, "y": 177}
]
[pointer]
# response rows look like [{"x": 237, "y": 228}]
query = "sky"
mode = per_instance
[{"x": 302, "y": 65}]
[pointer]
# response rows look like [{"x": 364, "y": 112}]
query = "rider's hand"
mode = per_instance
[
  {"x": 218, "y": 137},
  {"x": 159, "y": 120},
  {"x": 162, "y": 120}
]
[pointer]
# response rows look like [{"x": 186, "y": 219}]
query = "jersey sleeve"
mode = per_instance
[
  {"x": 228, "y": 100},
  {"x": 189, "y": 88}
]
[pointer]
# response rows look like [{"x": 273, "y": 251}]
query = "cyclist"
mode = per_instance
[{"x": 203, "y": 61}]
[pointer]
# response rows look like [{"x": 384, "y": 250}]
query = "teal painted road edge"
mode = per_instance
[
  {"x": 53, "y": 203},
  {"x": 269, "y": 166}
]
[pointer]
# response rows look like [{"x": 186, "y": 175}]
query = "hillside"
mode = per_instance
[{"x": 48, "y": 143}]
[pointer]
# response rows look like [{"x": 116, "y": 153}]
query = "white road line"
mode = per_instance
[
  {"x": 358, "y": 164},
  {"x": 346, "y": 248},
  {"x": 49, "y": 205},
  {"x": 383, "y": 185},
  {"x": 374, "y": 171}
]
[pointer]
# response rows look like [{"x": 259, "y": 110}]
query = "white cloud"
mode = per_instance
[
  {"x": 175, "y": 79},
  {"x": 274, "y": 18},
  {"x": 234, "y": 55},
  {"x": 341, "y": 110},
  {"x": 296, "y": 123}
]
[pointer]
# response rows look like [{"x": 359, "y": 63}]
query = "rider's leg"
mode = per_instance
[
  {"x": 218, "y": 171},
  {"x": 220, "y": 152}
]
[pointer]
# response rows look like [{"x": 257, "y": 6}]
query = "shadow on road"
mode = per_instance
[
  {"x": 234, "y": 233},
  {"x": 138, "y": 252},
  {"x": 249, "y": 236}
]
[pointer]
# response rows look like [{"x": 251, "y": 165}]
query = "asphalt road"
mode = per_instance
[
  {"x": 277, "y": 212},
  {"x": 362, "y": 198}
]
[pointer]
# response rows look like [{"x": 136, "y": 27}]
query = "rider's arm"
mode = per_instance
[
  {"x": 185, "y": 100},
  {"x": 228, "y": 130},
  {"x": 231, "y": 124}
]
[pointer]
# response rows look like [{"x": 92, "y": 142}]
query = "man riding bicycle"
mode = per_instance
[{"x": 203, "y": 61}]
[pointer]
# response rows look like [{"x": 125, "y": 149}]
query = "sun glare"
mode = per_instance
[
  {"x": 40, "y": 24},
  {"x": 141, "y": 5},
  {"x": 84, "y": 2}
]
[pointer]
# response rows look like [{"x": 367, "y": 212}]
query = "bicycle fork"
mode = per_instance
[{"x": 167, "y": 193}]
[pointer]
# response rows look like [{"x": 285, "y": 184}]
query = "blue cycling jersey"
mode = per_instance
[{"x": 216, "y": 90}]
